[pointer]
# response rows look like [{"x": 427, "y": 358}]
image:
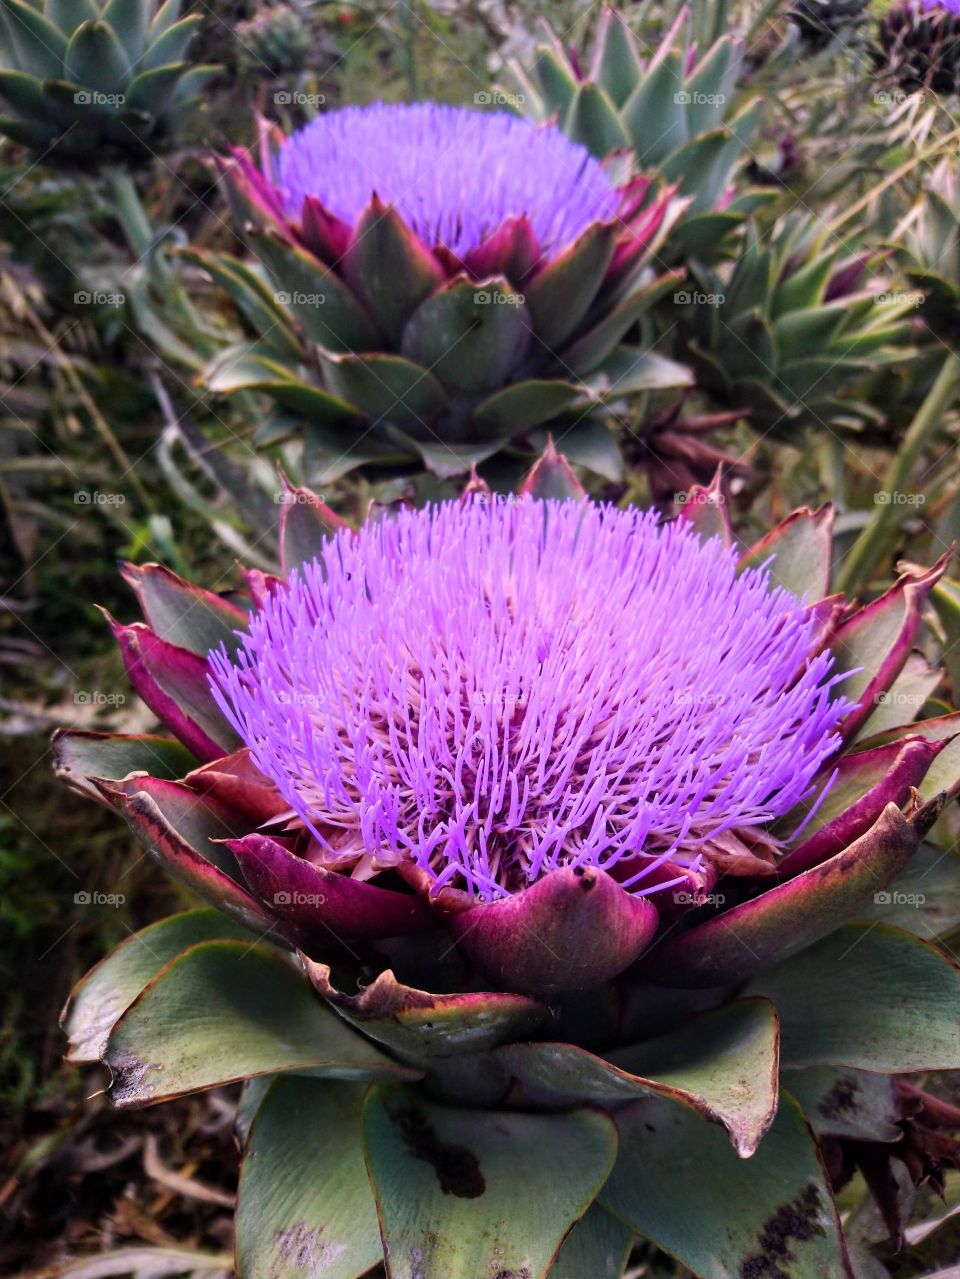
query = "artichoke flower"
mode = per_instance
[
  {"x": 917, "y": 45},
  {"x": 411, "y": 306},
  {"x": 552, "y": 845},
  {"x": 104, "y": 78}
]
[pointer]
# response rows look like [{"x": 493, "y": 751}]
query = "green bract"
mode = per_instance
[
  {"x": 400, "y": 1108},
  {"x": 931, "y": 247},
  {"x": 101, "y": 79}
]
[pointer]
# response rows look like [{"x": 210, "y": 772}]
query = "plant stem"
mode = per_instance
[
  {"x": 409, "y": 20},
  {"x": 869, "y": 547}
]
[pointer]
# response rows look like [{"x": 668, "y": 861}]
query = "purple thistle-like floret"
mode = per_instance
[
  {"x": 493, "y": 690},
  {"x": 453, "y": 174},
  {"x": 952, "y": 6}
]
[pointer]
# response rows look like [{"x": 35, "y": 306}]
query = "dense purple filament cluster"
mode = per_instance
[
  {"x": 454, "y": 175},
  {"x": 493, "y": 690},
  {"x": 952, "y": 6}
]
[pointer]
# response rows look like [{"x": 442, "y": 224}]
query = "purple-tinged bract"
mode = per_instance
[
  {"x": 496, "y": 690},
  {"x": 453, "y": 174}
]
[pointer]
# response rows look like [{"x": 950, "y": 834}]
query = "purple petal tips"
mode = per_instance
[
  {"x": 492, "y": 690},
  {"x": 454, "y": 175}
]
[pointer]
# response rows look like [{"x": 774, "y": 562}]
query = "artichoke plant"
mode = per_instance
[
  {"x": 277, "y": 41},
  {"x": 820, "y": 23},
  {"x": 555, "y": 852},
  {"x": 917, "y": 45},
  {"x": 677, "y": 110},
  {"x": 930, "y": 242},
  {"x": 97, "y": 78},
  {"x": 795, "y": 329},
  {"x": 434, "y": 281}
]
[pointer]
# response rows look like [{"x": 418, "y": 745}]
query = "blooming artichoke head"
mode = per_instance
[
  {"x": 105, "y": 78},
  {"x": 440, "y": 280},
  {"x": 556, "y": 818}
]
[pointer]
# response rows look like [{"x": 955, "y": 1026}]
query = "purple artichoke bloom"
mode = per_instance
[
  {"x": 413, "y": 158},
  {"x": 443, "y": 280},
  {"x": 951, "y": 6},
  {"x": 494, "y": 691}
]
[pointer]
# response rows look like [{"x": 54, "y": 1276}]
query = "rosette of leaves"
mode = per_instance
[
  {"x": 794, "y": 330},
  {"x": 820, "y": 23},
  {"x": 95, "y": 80},
  {"x": 277, "y": 40},
  {"x": 468, "y": 1048},
  {"x": 917, "y": 46},
  {"x": 676, "y": 109}
]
